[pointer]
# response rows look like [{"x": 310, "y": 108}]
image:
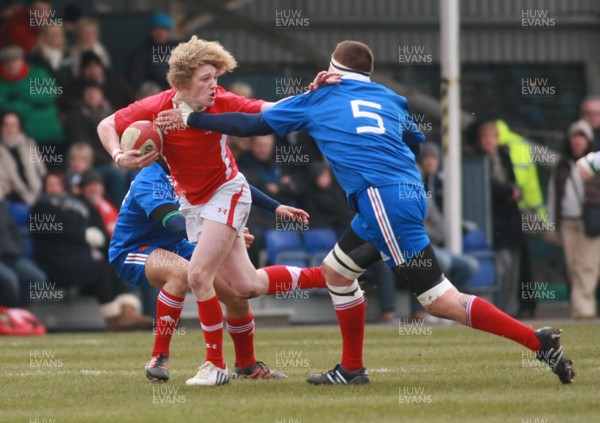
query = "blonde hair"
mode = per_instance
[
  {"x": 188, "y": 56},
  {"x": 83, "y": 149},
  {"x": 86, "y": 22},
  {"x": 45, "y": 34}
]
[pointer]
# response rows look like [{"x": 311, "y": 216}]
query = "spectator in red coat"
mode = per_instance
[{"x": 22, "y": 27}]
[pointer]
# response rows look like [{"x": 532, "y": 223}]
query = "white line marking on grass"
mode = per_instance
[
  {"x": 88, "y": 342},
  {"x": 381, "y": 370},
  {"x": 93, "y": 372},
  {"x": 86, "y": 372}
]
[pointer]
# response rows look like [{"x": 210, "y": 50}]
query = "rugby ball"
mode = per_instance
[{"x": 142, "y": 135}]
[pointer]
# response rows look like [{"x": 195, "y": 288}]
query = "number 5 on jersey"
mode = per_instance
[{"x": 358, "y": 113}]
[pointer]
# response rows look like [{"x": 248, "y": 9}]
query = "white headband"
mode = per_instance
[{"x": 344, "y": 69}]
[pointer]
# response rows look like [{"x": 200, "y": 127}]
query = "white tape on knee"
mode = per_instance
[
  {"x": 345, "y": 296},
  {"x": 429, "y": 296},
  {"x": 349, "y": 269}
]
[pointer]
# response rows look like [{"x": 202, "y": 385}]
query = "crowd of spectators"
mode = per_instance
[{"x": 57, "y": 84}]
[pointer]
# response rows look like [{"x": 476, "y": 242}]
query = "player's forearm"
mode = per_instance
[
  {"x": 170, "y": 218},
  {"x": 262, "y": 200},
  {"x": 108, "y": 134},
  {"x": 238, "y": 124},
  {"x": 175, "y": 223}
]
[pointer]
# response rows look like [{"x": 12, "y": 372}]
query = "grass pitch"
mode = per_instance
[{"x": 433, "y": 374}]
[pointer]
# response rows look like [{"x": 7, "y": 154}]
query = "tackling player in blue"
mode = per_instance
[
  {"x": 366, "y": 132},
  {"x": 149, "y": 247}
]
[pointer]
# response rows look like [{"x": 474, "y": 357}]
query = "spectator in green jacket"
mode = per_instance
[{"x": 30, "y": 91}]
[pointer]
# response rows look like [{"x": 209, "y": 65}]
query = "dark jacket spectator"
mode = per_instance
[
  {"x": 84, "y": 117},
  {"x": 429, "y": 159},
  {"x": 506, "y": 216},
  {"x": 71, "y": 244},
  {"x": 62, "y": 245},
  {"x": 261, "y": 170},
  {"x": 325, "y": 201},
  {"x": 116, "y": 90}
]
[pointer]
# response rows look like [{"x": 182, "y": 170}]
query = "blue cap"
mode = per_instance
[{"x": 161, "y": 19}]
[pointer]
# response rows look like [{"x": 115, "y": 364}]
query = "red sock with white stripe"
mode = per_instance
[
  {"x": 168, "y": 310},
  {"x": 288, "y": 278},
  {"x": 241, "y": 331},
  {"x": 483, "y": 315},
  {"x": 211, "y": 320},
  {"x": 350, "y": 307}
]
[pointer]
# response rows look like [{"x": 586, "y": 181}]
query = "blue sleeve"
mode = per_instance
[
  {"x": 151, "y": 190},
  {"x": 262, "y": 200},
  {"x": 238, "y": 124},
  {"x": 412, "y": 133},
  {"x": 291, "y": 114}
]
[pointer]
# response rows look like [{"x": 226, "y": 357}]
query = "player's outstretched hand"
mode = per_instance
[
  {"x": 168, "y": 120},
  {"x": 134, "y": 160},
  {"x": 292, "y": 213},
  {"x": 323, "y": 79},
  {"x": 248, "y": 238}
]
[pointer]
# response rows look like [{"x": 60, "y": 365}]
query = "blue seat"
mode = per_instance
[
  {"x": 285, "y": 247},
  {"x": 474, "y": 240},
  {"x": 476, "y": 245},
  {"x": 318, "y": 243},
  {"x": 20, "y": 213}
]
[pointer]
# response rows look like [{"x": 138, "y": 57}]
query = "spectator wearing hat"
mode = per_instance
[
  {"x": 30, "y": 91},
  {"x": 149, "y": 63},
  {"x": 70, "y": 14},
  {"x": 568, "y": 198},
  {"x": 429, "y": 161},
  {"x": 115, "y": 88},
  {"x": 458, "y": 267}
]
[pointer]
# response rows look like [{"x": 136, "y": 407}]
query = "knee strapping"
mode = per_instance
[
  {"x": 343, "y": 264},
  {"x": 429, "y": 296}
]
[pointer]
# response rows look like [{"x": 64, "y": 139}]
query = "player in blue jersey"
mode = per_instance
[
  {"x": 366, "y": 132},
  {"x": 149, "y": 247}
]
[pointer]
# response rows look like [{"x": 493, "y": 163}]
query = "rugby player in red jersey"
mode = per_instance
[{"x": 215, "y": 198}]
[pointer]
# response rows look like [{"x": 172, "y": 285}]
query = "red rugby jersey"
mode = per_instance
[{"x": 200, "y": 161}]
